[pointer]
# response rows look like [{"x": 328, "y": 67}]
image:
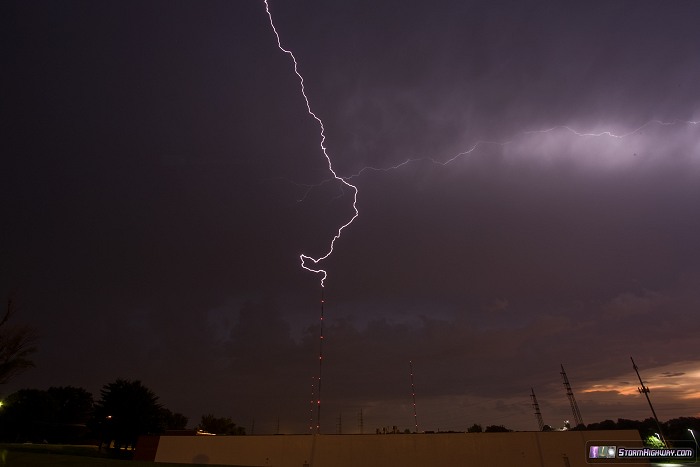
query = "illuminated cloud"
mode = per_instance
[
  {"x": 680, "y": 380},
  {"x": 528, "y": 196}
]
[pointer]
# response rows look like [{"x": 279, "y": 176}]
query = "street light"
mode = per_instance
[{"x": 694, "y": 438}]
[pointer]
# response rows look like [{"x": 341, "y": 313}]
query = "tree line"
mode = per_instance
[
  {"x": 673, "y": 429},
  {"x": 126, "y": 410},
  {"x": 682, "y": 428}
]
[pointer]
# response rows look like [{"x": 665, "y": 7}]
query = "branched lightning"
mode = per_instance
[
  {"x": 475, "y": 146},
  {"x": 303, "y": 258},
  {"x": 432, "y": 160},
  {"x": 481, "y": 143},
  {"x": 611, "y": 134}
]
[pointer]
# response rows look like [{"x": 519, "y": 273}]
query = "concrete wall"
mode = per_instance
[{"x": 522, "y": 449}]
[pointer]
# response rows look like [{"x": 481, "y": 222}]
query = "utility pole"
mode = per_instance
[{"x": 645, "y": 390}]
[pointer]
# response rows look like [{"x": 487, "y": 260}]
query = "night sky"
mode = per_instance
[{"x": 160, "y": 176}]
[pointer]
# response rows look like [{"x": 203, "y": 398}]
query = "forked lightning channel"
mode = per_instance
[
  {"x": 305, "y": 259},
  {"x": 480, "y": 143}
]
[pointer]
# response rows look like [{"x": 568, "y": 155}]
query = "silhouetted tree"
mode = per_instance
[
  {"x": 71, "y": 405},
  {"x": 626, "y": 424},
  {"x": 57, "y": 415},
  {"x": 648, "y": 427},
  {"x": 677, "y": 428},
  {"x": 496, "y": 429},
  {"x": 604, "y": 425},
  {"x": 71, "y": 411},
  {"x": 173, "y": 421},
  {"x": 126, "y": 410},
  {"x": 219, "y": 426},
  {"x": 25, "y": 415},
  {"x": 16, "y": 345},
  {"x": 475, "y": 428}
]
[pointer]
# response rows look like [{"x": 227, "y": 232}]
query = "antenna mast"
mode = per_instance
[
  {"x": 320, "y": 368},
  {"x": 570, "y": 394},
  {"x": 645, "y": 390},
  {"x": 313, "y": 400},
  {"x": 536, "y": 406},
  {"x": 413, "y": 392}
]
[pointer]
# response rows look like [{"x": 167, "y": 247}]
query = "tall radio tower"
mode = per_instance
[
  {"x": 578, "y": 420},
  {"x": 536, "y": 406},
  {"x": 320, "y": 368},
  {"x": 413, "y": 392}
]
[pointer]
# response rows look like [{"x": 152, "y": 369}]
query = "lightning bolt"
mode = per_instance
[
  {"x": 345, "y": 179},
  {"x": 322, "y": 135},
  {"x": 611, "y": 134},
  {"x": 432, "y": 160},
  {"x": 481, "y": 143}
]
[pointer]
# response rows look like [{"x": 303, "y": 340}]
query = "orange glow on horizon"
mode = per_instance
[{"x": 681, "y": 380}]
